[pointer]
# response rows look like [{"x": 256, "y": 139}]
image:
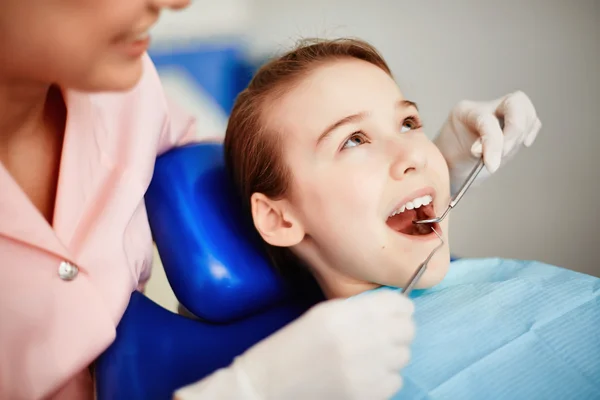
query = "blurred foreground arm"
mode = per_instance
[{"x": 342, "y": 349}]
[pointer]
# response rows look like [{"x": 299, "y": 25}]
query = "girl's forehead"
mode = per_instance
[{"x": 330, "y": 93}]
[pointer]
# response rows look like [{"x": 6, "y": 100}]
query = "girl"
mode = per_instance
[{"x": 333, "y": 165}]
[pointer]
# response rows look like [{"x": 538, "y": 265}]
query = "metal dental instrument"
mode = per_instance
[
  {"x": 458, "y": 195},
  {"x": 421, "y": 270}
]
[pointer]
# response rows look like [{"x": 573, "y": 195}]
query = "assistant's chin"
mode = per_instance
[
  {"x": 128, "y": 75},
  {"x": 115, "y": 77}
]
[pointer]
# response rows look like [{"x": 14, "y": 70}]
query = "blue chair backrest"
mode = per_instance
[{"x": 211, "y": 254}]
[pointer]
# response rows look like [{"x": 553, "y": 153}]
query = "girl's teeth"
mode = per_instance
[{"x": 416, "y": 203}]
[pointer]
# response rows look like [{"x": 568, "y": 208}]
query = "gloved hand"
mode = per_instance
[
  {"x": 340, "y": 349},
  {"x": 474, "y": 128}
]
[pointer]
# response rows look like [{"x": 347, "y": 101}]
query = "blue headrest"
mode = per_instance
[{"x": 211, "y": 253}]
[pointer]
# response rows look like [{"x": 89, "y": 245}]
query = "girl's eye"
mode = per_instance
[
  {"x": 410, "y": 124},
  {"x": 356, "y": 139}
]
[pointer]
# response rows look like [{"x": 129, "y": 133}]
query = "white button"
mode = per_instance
[{"x": 67, "y": 271}]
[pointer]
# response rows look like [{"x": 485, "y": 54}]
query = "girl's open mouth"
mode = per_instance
[{"x": 401, "y": 219}]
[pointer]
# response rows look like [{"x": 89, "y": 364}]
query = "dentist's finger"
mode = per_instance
[
  {"x": 533, "y": 134},
  {"x": 518, "y": 113},
  {"x": 492, "y": 140}
]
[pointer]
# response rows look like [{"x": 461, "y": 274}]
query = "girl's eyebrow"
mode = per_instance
[
  {"x": 407, "y": 103},
  {"x": 346, "y": 120},
  {"x": 357, "y": 117}
]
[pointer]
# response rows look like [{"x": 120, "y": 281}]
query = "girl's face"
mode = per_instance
[
  {"x": 80, "y": 44},
  {"x": 357, "y": 155}
]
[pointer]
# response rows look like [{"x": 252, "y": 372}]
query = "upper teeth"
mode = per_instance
[{"x": 416, "y": 203}]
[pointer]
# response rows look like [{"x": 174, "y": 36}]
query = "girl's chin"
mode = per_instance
[{"x": 435, "y": 274}]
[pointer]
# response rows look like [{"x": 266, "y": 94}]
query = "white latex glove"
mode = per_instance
[
  {"x": 340, "y": 349},
  {"x": 474, "y": 128}
]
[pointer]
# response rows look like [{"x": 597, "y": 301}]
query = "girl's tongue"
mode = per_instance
[{"x": 403, "y": 222}]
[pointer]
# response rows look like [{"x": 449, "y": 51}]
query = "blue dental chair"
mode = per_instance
[{"x": 218, "y": 272}]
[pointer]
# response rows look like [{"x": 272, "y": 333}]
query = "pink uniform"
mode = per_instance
[{"x": 64, "y": 288}]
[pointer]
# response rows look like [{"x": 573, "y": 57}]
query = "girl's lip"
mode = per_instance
[{"x": 424, "y": 238}]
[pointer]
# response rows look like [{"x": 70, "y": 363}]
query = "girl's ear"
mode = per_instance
[{"x": 275, "y": 221}]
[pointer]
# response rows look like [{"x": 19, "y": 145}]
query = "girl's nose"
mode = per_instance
[{"x": 408, "y": 158}]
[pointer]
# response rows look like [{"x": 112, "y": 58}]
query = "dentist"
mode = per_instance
[{"x": 82, "y": 118}]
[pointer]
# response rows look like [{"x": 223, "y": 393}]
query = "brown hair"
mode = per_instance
[{"x": 253, "y": 153}]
